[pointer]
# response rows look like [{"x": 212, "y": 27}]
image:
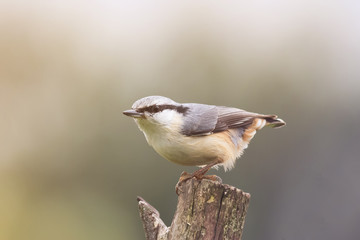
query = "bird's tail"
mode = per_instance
[{"x": 274, "y": 122}]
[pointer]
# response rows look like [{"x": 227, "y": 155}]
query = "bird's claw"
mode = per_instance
[
  {"x": 186, "y": 176},
  {"x": 183, "y": 177}
]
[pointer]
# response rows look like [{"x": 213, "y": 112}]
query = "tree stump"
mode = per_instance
[{"x": 206, "y": 210}]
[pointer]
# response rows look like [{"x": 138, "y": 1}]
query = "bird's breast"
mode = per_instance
[
  {"x": 224, "y": 146},
  {"x": 199, "y": 150}
]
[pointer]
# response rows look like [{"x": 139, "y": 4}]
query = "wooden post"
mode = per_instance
[{"x": 206, "y": 210}]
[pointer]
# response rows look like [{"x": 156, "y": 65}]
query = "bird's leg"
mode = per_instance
[{"x": 199, "y": 174}]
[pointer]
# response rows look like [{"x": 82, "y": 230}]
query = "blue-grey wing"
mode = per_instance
[
  {"x": 204, "y": 119},
  {"x": 200, "y": 119}
]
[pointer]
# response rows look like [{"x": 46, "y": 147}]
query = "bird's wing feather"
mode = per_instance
[
  {"x": 206, "y": 119},
  {"x": 200, "y": 119},
  {"x": 233, "y": 118}
]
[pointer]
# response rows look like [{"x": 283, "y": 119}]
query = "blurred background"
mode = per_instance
[{"x": 71, "y": 165}]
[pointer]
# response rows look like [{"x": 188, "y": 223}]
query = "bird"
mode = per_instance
[{"x": 194, "y": 134}]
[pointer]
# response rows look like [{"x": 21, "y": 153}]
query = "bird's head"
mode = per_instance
[{"x": 156, "y": 110}]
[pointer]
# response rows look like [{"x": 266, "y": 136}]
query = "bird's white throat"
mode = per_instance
[{"x": 160, "y": 126}]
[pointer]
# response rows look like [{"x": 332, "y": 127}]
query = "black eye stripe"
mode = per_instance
[{"x": 159, "y": 108}]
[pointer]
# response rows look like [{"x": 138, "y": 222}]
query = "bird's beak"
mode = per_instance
[{"x": 133, "y": 113}]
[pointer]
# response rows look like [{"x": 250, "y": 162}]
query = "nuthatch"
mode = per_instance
[{"x": 195, "y": 134}]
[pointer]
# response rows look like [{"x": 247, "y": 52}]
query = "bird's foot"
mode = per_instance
[
  {"x": 212, "y": 178},
  {"x": 183, "y": 178},
  {"x": 199, "y": 175}
]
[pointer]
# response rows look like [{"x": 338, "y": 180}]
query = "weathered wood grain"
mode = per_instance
[{"x": 206, "y": 210}]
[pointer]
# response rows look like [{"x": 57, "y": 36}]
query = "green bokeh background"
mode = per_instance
[{"x": 71, "y": 165}]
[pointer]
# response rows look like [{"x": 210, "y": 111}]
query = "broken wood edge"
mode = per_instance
[{"x": 154, "y": 227}]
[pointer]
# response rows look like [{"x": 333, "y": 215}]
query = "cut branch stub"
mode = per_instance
[
  {"x": 154, "y": 227},
  {"x": 206, "y": 210}
]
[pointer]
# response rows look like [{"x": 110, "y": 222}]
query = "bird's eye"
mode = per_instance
[{"x": 155, "y": 109}]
